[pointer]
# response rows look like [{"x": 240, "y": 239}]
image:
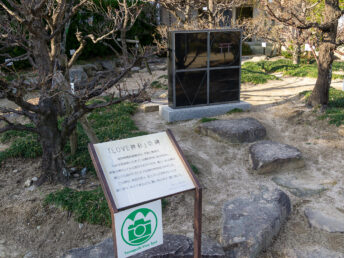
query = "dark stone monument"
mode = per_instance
[{"x": 204, "y": 69}]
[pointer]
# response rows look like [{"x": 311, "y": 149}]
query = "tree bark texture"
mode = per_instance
[{"x": 320, "y": 93}]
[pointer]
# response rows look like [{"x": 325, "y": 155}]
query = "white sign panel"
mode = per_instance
[
  {"x": 263, "y": 44},
  {"x": 142, "y": 168},
  {"x": 138, "y": 229}
]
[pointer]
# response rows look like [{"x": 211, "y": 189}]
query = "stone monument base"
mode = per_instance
[{"x": 179, "y": 114}]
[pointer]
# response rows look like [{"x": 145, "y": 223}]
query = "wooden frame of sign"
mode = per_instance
[{"x": 112, "y": 204}]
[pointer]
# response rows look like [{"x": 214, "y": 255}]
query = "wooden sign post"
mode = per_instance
[{"x": 140, "y": 170}]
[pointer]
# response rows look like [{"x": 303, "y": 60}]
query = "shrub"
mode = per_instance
[{"x": 246, "y": 49}]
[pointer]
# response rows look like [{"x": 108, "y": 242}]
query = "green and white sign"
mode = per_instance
[{"x": 138, "y": 229}]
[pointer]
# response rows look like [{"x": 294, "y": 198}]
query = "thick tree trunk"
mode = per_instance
[
  {"x": 53, "y": 164},
  {"x": 320, "y": 93}
]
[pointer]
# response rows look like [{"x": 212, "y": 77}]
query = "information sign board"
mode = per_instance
[{"x": 142, "y": 168}]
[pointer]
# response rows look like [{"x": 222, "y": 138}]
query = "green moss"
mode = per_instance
[
  {"x": 207, "y": 119},
  {"x": 235, "y": 110}
]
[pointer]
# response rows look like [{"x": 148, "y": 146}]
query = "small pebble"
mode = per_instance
[
  {"x": 75, "y": 175},
  {"x": 28, "y": 183},
  {"x": 34, "y": 179},
  {"x": 81, "y": 225},
  {"x": 15, "y": 171},
  {"x": 83, "y": 172},
  {"x": 38, "y": 227}
]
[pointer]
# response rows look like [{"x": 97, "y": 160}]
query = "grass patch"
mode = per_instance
[
  {"x": 235, "y": 110},
  {"x": 207, "y": 119},
  {"x": 261, "y": 72},
  {"x": 194, "y": 169},
  {"x": 110, "y": 123},
  {"x": 87, "y": 206},
  {"x": 335, "y": 109},
  {"x": 254, "y": 73}
]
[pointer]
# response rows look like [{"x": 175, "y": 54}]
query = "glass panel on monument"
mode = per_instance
[
  {"x": 191, "y": 88},
  {"x": 225, "y": 48},
  {"x": 224, "y": 85},
  {"x": 191, "y": 50}
]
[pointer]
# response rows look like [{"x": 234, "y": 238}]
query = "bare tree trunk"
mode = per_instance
[
  {"x": 211, "y": 6},
  {"x": 124, "y": 47},
  {"x": 53, "y": 164},
  {"x": 297, "y": 53},
  {"x": 320, "y": 93}
]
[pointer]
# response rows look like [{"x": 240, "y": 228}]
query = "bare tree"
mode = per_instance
[
  {"x": 124, "y": 16},
  {"x": 302, "y": 15},
  {"x": 38, "y": 27},
  {"x": 263, "y": 27}
]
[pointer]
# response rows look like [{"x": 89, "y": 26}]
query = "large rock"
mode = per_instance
[
  {"x": 298, "y": 187},
  {"x": 269, "y": 156},
  {"x": 312, "y": 252},
  {"x": 326, "y": 218},
  {"x": 77, "y": 75},
  {"x": 234, "y": 130},
  {"x": 174, "y": 246},
  {"x": 92, "y": 69},
  {"x": 249, "y": 224}
]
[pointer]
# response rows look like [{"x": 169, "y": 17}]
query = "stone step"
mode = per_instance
[
  {"x": 250, "y": 223},
  {"x": 269, "y": 156},
  {"x": 234, "y": 130}
]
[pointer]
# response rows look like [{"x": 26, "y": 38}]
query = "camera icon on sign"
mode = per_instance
[
  {"x": 139, "y": 226},
  {"x": 138, "y": 232}
]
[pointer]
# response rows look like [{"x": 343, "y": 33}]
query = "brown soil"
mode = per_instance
[{"x": 27, "y": 226}]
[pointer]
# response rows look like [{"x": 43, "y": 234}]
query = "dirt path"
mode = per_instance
[{"x": 225, "y": 174}]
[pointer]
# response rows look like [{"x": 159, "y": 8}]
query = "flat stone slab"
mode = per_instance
[
  {"x": 173, "y": 246},
  {"x": 269, "y": 156},
  {"x": 250, "y": 223},
  {"x": 149, "y": 107},
  {"x": 179, "y": 114},
  {"x": 300, "y": 188},
  {"x": 326, "y": 218},
  {"x": 234, "y": 130},
  {"x": 312, "y": 252}
]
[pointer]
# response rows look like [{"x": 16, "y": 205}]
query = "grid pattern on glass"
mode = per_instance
[
  {"x": 191, "y": 88},
  {"x": 206, "y": 67}
]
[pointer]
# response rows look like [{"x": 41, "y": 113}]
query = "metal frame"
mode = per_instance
[
  {"x": 113, "y": 208},
  {"x": 206, "y": 69}
]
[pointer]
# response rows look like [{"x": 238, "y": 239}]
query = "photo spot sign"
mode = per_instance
[{"x": 135, "y": 173}]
